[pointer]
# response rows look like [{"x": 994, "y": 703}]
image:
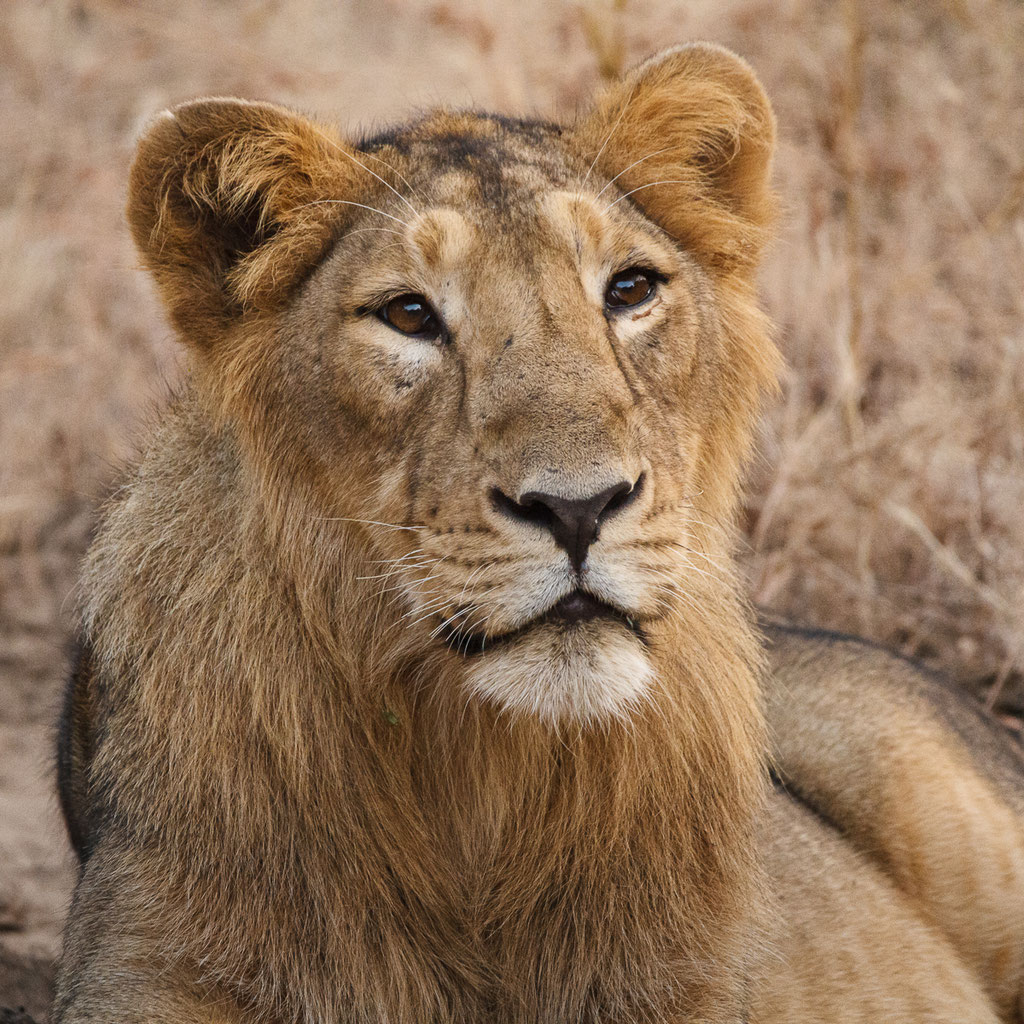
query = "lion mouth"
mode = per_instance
[{"x": 571, "y": 612}]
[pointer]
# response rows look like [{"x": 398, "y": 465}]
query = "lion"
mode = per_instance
[{"x": 416, "y": 679}]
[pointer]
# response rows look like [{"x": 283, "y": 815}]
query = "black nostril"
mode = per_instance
[
  {"x": 527, "y": 511},
  {"x": 625, "y": 495},
  {"x": 574, "y": 522}
]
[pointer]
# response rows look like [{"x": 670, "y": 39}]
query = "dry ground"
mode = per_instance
[{"x": 889, "y": 497}]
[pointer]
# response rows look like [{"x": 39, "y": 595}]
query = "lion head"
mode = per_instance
[{"x": 519, "y": 361}]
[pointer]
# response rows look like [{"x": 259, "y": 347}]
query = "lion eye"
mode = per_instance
[
  {"x": 629, "y": 288},
  {"x": 412, "y": 315}
]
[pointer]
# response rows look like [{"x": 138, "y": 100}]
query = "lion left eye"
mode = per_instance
[
  {"x": 629, "y": 288},
  {"x": 412, "y": 315}
]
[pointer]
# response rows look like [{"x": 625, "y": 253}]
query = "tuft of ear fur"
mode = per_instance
[
  {"x": 226, "y": 206},
  {"x": 689, "y": 134}
]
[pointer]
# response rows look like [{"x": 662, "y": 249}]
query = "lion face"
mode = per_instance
[
  {"x": 500, "y": 350},
  {"x": 516, "y": 351}
]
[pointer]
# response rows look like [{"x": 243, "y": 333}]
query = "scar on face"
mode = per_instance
[{"x": 648, "y": 311}]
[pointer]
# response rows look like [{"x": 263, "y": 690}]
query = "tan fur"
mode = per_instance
[
  {"x": 298, "y": 802},
  {"x": 923, "y": 786}
]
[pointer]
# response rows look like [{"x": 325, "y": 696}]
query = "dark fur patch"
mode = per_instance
[
  {"x": 75, "y": 749},
  {"x": 787, "y": 789},
  {"x": 403, "y": 137},
  {"x": 483, "y": 146}
]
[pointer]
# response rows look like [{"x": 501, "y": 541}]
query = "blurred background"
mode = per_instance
[{"x": 888, "y": 499}]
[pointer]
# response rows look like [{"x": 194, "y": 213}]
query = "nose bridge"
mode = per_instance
[{"x": 559, "y": 416}]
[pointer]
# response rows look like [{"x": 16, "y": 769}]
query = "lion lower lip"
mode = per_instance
[
  {"x": 579, "y": 607},
  {"x": 571, "y": 611}
]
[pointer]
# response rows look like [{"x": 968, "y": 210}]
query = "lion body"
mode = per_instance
[{"x": 296, "y": 793}]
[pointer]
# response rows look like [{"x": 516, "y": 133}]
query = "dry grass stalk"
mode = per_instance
[
  {"x": 851, "y": 168},
  {"x": 602, "y": 25}
]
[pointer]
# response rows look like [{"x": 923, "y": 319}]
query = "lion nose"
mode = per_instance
[{"x": 575, "y": 523}]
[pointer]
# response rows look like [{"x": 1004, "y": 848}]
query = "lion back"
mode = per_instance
[{"x": 918, "y": 779}]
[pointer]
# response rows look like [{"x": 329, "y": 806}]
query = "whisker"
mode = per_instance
[
  {"x": 726, "y": 529},
  {"x": 436, "y": 606},
  {"x": 640, "y": 188},
  {"x": 608, "y": 138},
  {"x": 367, "y": 522},
  {"x": 630, "y": 167},
  {"x": 379, "y": 230},
  {"x": 429, "y": 609},
  {"x": 401, "y": 177},
  {"x": 685, "y": 597},
  {"x": 469, "y": 609},
  {"x": 688, "y": 567},
  {"x": 347, "y": 202},
  {"x": 432, "y": 607},
  {"x": 415, "y": 553},
  {"x": 406, "y": 583},
  {"x": 469, "y": 579},
  {"x": 717, "y": 563},
  {"x": 475, "y": 627},
  {"x": 463, "y": 636},
  {"x": 395, "y": 570},
  {"x": 674, "y": 580},
  {"x": 386, "y": 184}
]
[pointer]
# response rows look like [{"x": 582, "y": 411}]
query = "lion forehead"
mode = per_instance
[
  {"x": 574, "y": 218},
  {"x": 442, "y": 237}
]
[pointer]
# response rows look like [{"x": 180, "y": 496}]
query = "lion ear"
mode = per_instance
[
  {"x": 690, "y": 134},
  {"x": 226, "y": 206}
]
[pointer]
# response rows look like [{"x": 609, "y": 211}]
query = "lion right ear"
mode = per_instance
[
  {"x": 688, "y": 136},
  {"x": 230, "y": 204}
]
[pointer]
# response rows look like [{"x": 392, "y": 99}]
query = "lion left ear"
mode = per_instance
[
  {"x": 690, "y": 135},
  {"x": 230, "y": 203}
]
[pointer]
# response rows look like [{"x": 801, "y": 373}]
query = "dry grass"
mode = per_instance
[{"x": 890, "y": 498}]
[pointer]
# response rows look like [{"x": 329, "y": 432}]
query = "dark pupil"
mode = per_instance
[
  {"x": 409, "y": 314},
  {"x": 629, "y": 289}
]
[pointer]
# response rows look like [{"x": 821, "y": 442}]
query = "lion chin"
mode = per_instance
[{"x": 562, "y": 675}]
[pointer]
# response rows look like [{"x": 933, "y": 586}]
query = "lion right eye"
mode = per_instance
[
  {"x": 412, "y": 315},
  {"x": 630, "y": 288}
]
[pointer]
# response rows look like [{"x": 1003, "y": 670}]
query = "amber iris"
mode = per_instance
[
  {"x": 629, "y": 288},
  {"x": 412, "y": 315}
]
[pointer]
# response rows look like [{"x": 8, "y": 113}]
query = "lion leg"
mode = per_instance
[
  {"x": 119, "y": 993},
  {"x": 918, "y": 780},
  {"x": 115, "y": 968},
  {"x": 115, "y": 982},
  {"x": 882, "y": 963}
]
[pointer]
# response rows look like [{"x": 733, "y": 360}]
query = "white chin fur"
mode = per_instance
[{"x": 580, "y": 674}]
